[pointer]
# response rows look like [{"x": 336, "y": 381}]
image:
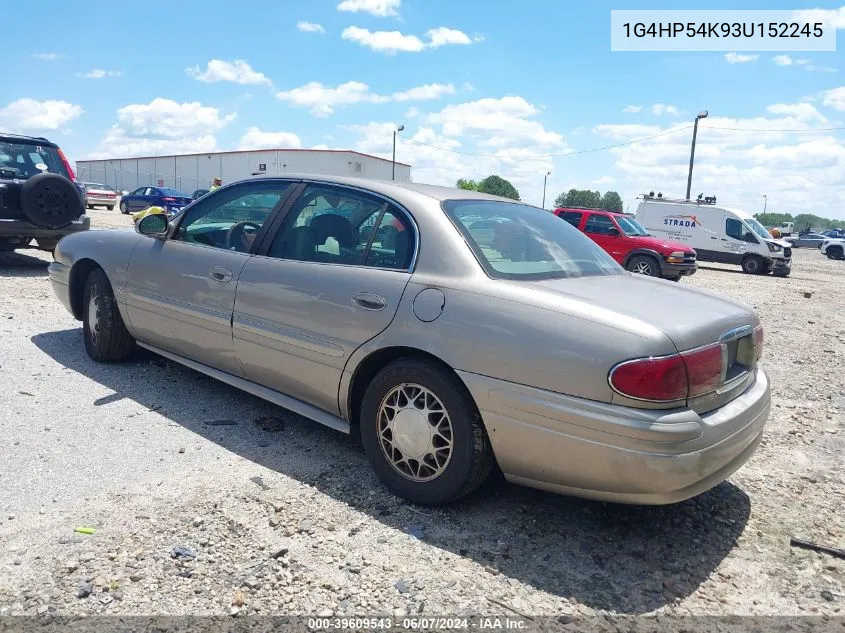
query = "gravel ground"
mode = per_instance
[{"x": 198, "y": 510}]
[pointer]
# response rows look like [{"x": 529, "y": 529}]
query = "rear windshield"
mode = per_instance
[
  {"x": 515, "y": 241},
  {"x": 172, "y": 192},
  {"x": 22, "y": 160},
  {"x": 97, "y": 186}
]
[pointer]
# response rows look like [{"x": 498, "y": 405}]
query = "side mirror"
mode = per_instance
[
  {"x": 613, "y": 232},
  {"x": 154, "y": 225}
]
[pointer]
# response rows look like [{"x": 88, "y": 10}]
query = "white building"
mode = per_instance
[{"x": 189, "y": 172}]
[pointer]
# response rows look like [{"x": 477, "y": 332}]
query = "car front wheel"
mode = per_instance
[
  {"x": 643, "y": 265},
  {"x": 835, "y": 252},
  {"x": 753, "y": 265},
  {"x": 423, "y": 434},
  {"x": 106, "y": 336},
  {"x": 124, "y": 208}
]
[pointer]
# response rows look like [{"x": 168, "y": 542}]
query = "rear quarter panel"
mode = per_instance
[{"x": 492, "y": 329}]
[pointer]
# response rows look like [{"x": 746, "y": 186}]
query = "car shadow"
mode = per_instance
[
  {"x": 17, "y": 264},
  {"x": 627, "y": 559}
]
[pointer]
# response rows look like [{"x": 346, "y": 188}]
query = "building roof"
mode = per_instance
[{"x": 250, "y": 151}]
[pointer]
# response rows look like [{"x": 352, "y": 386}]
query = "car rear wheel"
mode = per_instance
[
  {"x": 124, "y": 208},
  {"x": 110, "y": 207},
  {"x": 644, "y": 265},
  {"x": 835, "y": 252},
  {"x": 106, "y": 336},
  {"x": 753, "y": 265},
  {"x": 423, "y": 434}
]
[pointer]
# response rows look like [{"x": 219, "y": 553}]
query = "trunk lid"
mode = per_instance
[{"x": 688, "y": 316}]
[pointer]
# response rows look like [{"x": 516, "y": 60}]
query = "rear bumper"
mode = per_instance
[
  {"x": 612, "y": 453},
  {"x": 100, "y": 201},
  {"x": 24, "y": 229}
]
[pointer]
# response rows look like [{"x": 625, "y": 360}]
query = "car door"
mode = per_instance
[
  {"x": 180, "y": 291},
  {"x": 133, "y": 200},
  {"x": 736, "y": 241},
  {"x": 601, "y": 229},
  {"x": 328, "y": 281}
]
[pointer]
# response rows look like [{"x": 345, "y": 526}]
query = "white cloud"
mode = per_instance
[
  {"x": 310, "y": 27},
  {"x": 412, "y": 113},
  {"x": 632, "y": 109},
  {"x": 834, "y": 17},
  {"x": 786, "y": 60},
  {"x": 237, "y": 71},
  {"x": 389, "y": 42},
  {"x": 47, "y": 57},
  {"x": 835, "y": 98},
  {"x": 800, "y": 168},
  {"x": 322, "y": 100},
  {"x": 442, "y": 36},
  {"x": 31, "y": 115},
  {"x": 604, "y": 180},
  {"x": 426, "y": 92},
  {"x": 392, "y": 42},
  {"x": 99, "y": 73},
  {"x": 659, "y": 109},
  {"x": 801, "y": 111},
  {"x": 378, "y": 8},
  {"x": 254, "y": 138},
  {"x": 737, "y": 58},
  {"x": 163, "y": 126}
]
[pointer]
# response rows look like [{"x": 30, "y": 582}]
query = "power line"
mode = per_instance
[
  {"x": 573, "y": 153},
  {"x": 741, "y": 129}
]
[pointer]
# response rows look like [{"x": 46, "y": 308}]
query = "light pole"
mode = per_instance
[
  {"x": 548, "y": 173},
  {"x": 399, "y": 129},
  {"x": 699, "y": 116},
  {"x": 765, "y": 202}
]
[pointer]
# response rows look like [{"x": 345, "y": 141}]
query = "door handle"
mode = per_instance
[
  {"x": 713, "y": 237},
  {"x": 369, "y": 301},
  {"x": 221, "y": 274}
]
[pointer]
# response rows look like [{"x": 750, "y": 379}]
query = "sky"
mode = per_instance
[{"x": 515, "y": 89}]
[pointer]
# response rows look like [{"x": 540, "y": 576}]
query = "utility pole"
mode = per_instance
[
  {"x": 399, "y": 129},
  {"x": 699, "y": 116},
  {"x": 548, "y": 173},
  {"x": 765, "y": 202}
]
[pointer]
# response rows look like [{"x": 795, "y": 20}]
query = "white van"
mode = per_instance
[{"x": 717, "y": 234}]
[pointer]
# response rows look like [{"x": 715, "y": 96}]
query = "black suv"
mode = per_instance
[{"x": 39, "y": 197}]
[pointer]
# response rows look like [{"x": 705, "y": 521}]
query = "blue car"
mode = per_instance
[{"x": 168, "y": 199}]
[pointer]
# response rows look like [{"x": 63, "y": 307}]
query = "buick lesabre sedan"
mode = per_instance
[{"x": 459, "y": 332}]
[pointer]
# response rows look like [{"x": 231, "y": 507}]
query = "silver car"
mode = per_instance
[
  {"x": 99, "y": 195},
  {"x": 460, "y": 332}
]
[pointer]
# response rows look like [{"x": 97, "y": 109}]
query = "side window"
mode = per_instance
[
  {"x": 573, "y": 217},
  {"x": 341, "y": 226},
  {"x": 599, "y": 224},
  {"x": 232, "y": 218},
  {"x": 734, "y": 229},
  {"x": 139, "y": 192}
]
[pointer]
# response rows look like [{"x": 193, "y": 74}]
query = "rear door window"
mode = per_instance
[
  {"x": 24, "y": 160},
  {"x": 573, "y": 217}
]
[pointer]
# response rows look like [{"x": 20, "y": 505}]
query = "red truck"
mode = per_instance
[{"x": 631, "y": 245}]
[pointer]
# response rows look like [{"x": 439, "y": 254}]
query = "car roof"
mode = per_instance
[
  {"x": 19, "y": 138},
  {"x": 392, "y": 188},
  {"x": 590, "y": 209}
]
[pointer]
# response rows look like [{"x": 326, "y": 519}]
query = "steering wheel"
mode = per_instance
[{"x": 237, "y": 234}]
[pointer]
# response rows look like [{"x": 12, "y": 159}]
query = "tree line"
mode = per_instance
[
  {"x": 802, "y": 221},
  {"x": 498, "y": 186}
]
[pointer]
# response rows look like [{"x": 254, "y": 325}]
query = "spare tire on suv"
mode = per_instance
[{"x": 50, "y": 201}]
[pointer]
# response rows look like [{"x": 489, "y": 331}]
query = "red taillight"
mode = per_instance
[
  {"x": 65, "y": 162},
  {"x": 670, "y": 378},
  {"x": 704, "y": 369},
  {"x": 661, "y": 379},
  {"x": 168, "y": 199},
  {"x": 758, "y": 341}
]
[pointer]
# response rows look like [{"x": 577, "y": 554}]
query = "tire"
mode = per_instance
[
  {"x": 105, "y": 334},
  {"x": 835, "y": 252},
  {"x": 89, "y": 206},
  {"x": 753, "y": 265},
  {"x": 110, "y": 207},
  {"x": 124, "y": 208},
  {"x": 51, "y": 201},
  {"x": 644, "y": 265},
  {"x": 462, "y": 469},
  {"x": 673, "y": 278}
]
